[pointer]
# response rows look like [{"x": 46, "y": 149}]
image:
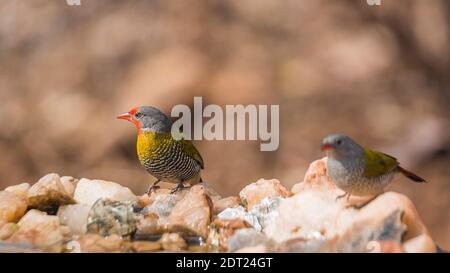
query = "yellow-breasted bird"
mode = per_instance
[
  {"x": 167, "y": 159},
  {"x": 358, "y": 170}
]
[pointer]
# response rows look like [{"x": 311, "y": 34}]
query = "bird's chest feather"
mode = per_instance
[
  {"x": 344, "y": 173},
  {"x": 150, "y": 146}
]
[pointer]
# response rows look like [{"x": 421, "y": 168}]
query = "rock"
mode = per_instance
[
  {"x": 253, "y": 249},
  {"x": 158, "y": 207},
  {"x": 420, "y": 244},
  {"x": 20, "y": 189},
  {"x": 144, "y": 200},
  {"x": 266, "y": 210},
  {"x": 87, "y": 192},
  {"x": 299, "y": 245},
  {"x": 94, "y": 243},
  {"x": 6, "y": 230},
  {"x": 255, "y": 192},
  {"x": 367, "y": 234},
  {"x": 12, "y": 206},
  {"x": 172, "y": 242},
  {"x": 69, "y": 183},
  {"x": 162, "y": 203},
  {"x": 75, "y": 217},
  {"x": 313, "y": 221},
  {"x": 193, "y": 212},
  {"x": 144, "y": 246},
  {"x": 40, "y": 230},
  {"x": 224, "y": 203},
  {"x": 108, "y": 217},
  {"x": 247, "y": 237},
  {"x": 188, "y": 213},
  {"x": 48, "y": 194},
  {"x": 240, "y": 213},
  {"x": 222, "y": 230}
]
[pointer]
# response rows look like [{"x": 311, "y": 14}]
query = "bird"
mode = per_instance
[
  {"x": 358, "y": 170},
  {"x": 168, "y": 159}
]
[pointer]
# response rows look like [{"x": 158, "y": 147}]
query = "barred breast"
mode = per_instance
[{"x": 167, "y": 161}]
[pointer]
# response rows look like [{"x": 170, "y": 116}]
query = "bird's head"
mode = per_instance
[
  {"x": 148, "y": 118},
  {"x": 340, "y": 146}
]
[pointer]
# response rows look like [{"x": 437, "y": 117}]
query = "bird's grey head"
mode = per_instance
[
  {"x": 340, "y": 146},
  {"x": 148, "y": 118}
]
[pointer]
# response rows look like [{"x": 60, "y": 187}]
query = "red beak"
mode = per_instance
[
  {"x": 129, "y": 116},
  {"x": 327, "y": 147},
  {"x": 126, "y": 116}
]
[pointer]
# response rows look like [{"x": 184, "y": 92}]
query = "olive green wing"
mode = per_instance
[
  {"x": 190, "y": 150},
  {"x": 377, "y": 163}
]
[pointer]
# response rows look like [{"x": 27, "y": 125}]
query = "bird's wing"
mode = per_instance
[
  {"x": 377, "y": 163},
  {"x": 190, "y": 150}
]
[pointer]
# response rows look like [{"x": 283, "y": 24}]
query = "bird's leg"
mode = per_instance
[
  {"x": 179, "y": 187},
  {"x": 343, "y": 195},
  {"x": 153, "y": 187}
]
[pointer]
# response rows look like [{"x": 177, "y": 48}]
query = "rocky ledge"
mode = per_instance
[{"x": 64, "y": 214}]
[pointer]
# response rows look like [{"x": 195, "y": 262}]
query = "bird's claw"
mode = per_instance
[
  {"x": 342, "y": 196},
  {"x": 153, "y": 187},
  {"x": 179, "y": 187}
]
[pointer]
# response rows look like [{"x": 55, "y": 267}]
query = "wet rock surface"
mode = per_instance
[
  {"x": 108, "y": 217},
  {"x": 64, "y": 214}
]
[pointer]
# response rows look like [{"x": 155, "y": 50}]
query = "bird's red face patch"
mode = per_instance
[
  {"x": 130, "y": 117},
  {"x": 133, "y": 110}
]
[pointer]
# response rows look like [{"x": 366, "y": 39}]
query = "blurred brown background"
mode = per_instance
[{"x": 379, "y": 74}]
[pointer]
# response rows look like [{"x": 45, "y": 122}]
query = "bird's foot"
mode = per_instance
[
  {"x": 342, "y": 196},
  {"x": 153, "y": 187},
  {"x": 179, "y": 187}
]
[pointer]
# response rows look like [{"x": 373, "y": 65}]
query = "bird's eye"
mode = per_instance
[
  {"x": 339, "y": 142},
  {"x": 138, "y": 115}
]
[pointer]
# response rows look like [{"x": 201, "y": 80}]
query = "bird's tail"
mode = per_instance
[{"x": 411, "y": 176}]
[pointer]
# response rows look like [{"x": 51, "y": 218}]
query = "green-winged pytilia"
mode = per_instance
[
  {"x": 164, "y": 157},
  {"x": 358, "y": 170}
]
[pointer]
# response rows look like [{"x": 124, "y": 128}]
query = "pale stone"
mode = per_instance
[
  {"x": 75, "y": 217},
  {"x": 20, "y": 189},
  {"x": 172, "y": 242},
  {"x": 222, "y": 230},
  {"x": 6, "y": 230},
  {"x": 255, "y": 192},
  {"x": 12, "y": 206},
  {"x": 40, "y": 230},
  {"x": 246, "y": 237},
  {"x": 266, "y": 210},
  {"x": 253, "y": 249},
  {"x": 188, "y": 212},
  {"x": 420, "y": 244},
  {"x": 224, "y": 203},
  {"x": 94, "y": 243},
  {"x": 69, "y": 184},
  {"x": 193, "y": 212},
  {"x": 87, "y": 192},
  {"x": 240, "y": 213},
  {"x": 48, "y": 194}
]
